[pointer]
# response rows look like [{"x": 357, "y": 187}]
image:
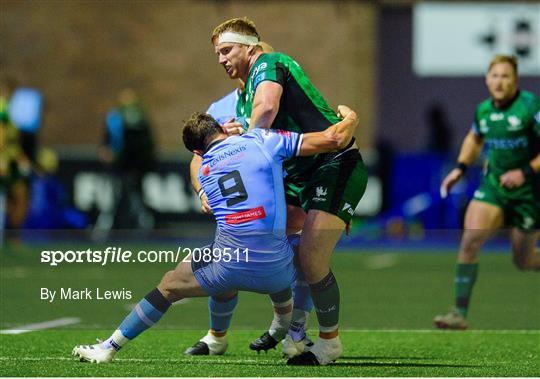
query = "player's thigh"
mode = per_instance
[
  {"x": 485, "y": 216},
  {"x": 181, "y": 282}
]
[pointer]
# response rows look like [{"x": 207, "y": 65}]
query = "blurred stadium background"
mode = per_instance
[{"x": 412, "y": 70}]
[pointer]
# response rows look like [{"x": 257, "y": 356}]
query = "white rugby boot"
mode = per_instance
[
  {"x": 209, "y": 345},
  {"x": 292, "y": 348},
  {"x": 323, "y": 352},
  {"x": 94, "y": 353}
]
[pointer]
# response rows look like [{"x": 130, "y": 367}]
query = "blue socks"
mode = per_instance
[
  {"x": 221, "y": 312},
  {"x": 145, "y": 314}
]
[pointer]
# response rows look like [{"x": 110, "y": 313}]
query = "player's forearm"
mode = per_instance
[
  {"x": 194, "y": 167},
  {"x": 470, "y": 149},
  {"x": 265, "y": 105},
  {"x": 333, "y": 138},
  {"x": 263, "y": 115}
]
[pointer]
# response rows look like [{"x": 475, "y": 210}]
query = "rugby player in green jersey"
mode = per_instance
[
  {"x": 322, "y": 191},
  {"x": 509, "y": 124}
]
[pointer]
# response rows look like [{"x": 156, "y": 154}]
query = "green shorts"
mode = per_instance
[
  {"x": 520, "y": 206},
  {"x": 335, "y": 185}
]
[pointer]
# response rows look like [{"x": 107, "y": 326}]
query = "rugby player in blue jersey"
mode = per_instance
[{"x": 242, "y": 177}]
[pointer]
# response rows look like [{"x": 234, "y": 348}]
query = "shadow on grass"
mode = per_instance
[
  {"x": 340, "y": 363},
  {"x": 400, "y": 364},
  {"x": 381, "y": 357}
]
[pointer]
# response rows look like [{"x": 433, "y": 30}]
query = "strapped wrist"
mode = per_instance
[
  {"x": 463, "y": 167},
  {"x": 200, "y": 193}
]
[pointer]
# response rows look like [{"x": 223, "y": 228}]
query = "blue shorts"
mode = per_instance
[{"x": 216, "y": 278}]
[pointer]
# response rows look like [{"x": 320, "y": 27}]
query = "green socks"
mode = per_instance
[
  {"x": 325, "y": 296},
  {"x": 463, "y": 285}
]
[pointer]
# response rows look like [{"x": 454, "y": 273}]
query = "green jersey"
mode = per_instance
[
  {"x": 511, "y": 133},
  {"x": 302, "y": 109},
  {"x": 331, "y": 182}
]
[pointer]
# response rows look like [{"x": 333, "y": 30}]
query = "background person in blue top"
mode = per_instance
[{"x": 250, "y": 219}]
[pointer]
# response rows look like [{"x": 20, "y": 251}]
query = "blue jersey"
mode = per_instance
[
  {"x": 243, "y": 179},
  {"x": 225, "y": 108}
]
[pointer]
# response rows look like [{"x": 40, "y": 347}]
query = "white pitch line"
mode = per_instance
[
  {"x": 42, "y": 325},
  {"x": 435, "y": 331},
  {"x": 141, "y": 360}
]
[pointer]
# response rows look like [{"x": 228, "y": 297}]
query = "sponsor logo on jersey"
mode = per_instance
[
  {"x": 479, "y": 194},
  {"x": 515, "y": 123},
  {"x": 259, "y": 78},
  {"x": 206, "y": 170},
  {"x": 507, "y": 143},
  {"x": 226, "y": 154},
  {"x": 320, "y": 194},
  {"x": 260, "y": 67},
  {"x": 496, "y": 116},
  {"x": 347, "y": 207},
  {"x": 245, "y": 216},
  {"x": 285, "y": 133}
]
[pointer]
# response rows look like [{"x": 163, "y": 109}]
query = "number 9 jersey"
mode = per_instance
[{"x": 242, "y": 177}]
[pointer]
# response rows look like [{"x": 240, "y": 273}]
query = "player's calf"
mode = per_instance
[{"x": 145, "y": 314}]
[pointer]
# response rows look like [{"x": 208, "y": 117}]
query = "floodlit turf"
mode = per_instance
[
  {"x": 371, "y": 353},
  {"x": 381, "y": 292}
]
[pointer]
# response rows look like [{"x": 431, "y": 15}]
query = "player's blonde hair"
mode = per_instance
[
  {"x": 266, "y": 47},
  {"x": 500, "y": 58},
  {"x": 240, "y": 25}
]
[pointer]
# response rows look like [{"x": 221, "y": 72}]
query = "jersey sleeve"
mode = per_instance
[
  {"x": 225, "y": 108},
  {"x": 475, "y": 127},
  {"x": 536, "y": 120},
  {"x": 281, "y": 144},
  {"x": 267, "y": 68}
]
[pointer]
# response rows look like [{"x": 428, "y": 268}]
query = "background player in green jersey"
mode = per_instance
[
  {"x": 327, "y": 187},
  {"x": 509, "y": 124}
]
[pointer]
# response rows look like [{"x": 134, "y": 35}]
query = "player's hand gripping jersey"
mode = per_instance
[{"x": 243, "y": 179}]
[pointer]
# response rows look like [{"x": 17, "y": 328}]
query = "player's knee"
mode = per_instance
[{"x": 470, "y": 248}]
